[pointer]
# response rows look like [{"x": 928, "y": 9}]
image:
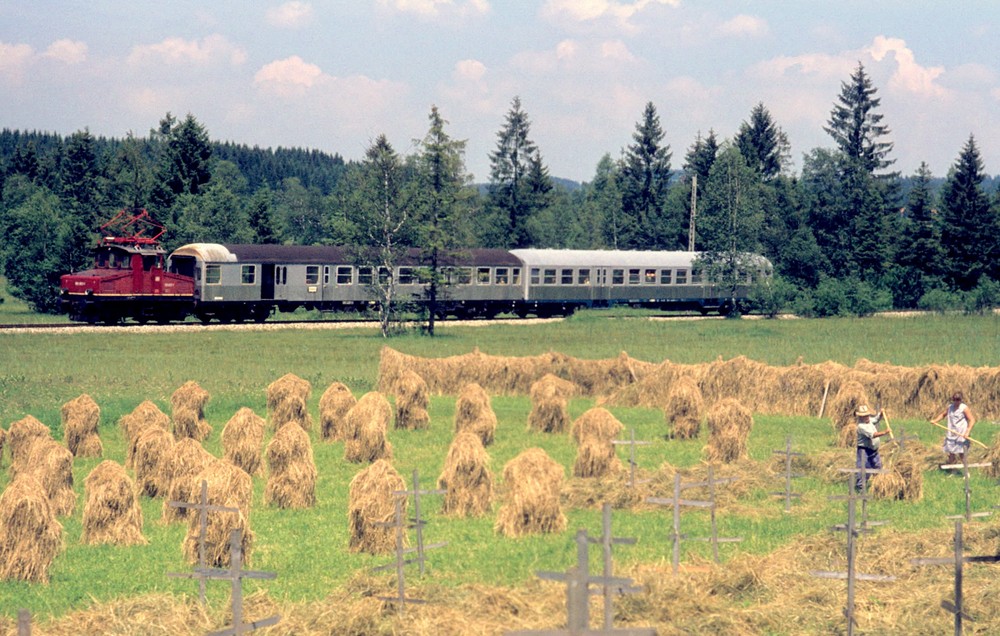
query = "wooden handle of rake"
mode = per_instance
[
  {"x": 966, "y": 437},
  {"x": 888, "y": 426}
]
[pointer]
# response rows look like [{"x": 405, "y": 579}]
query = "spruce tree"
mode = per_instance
[
  {"x": 510, "y": 192},
  {"x": 856, "y": 125},
  {"x": 969, "y": 224},
  {"x": 760, "y": 142},
  {"x": 645, "y": 178}
]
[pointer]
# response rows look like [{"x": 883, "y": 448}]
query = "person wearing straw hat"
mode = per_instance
[
  {"x": 960, "y": 423},
  {"x": 868, "y": 443}
]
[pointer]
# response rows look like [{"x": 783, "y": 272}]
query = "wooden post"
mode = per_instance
[
  {"x": 236, "y": 574},
  {"x": 23, "y": 622},
  {"x": 965, "y": 466},
  {"x": 788, "y": 494},
  {"x": 203, "y": 508},
  {"x": 632, "y": 443}
]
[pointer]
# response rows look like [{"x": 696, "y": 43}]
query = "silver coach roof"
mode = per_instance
[
  {"x": 207, "y": 252},
  {"x": 603, "y": 258}
]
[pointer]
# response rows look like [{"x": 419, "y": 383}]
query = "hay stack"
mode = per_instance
[
  {"x": 227, "y": 486},
  {"x": 21, "y": 436},
  {"x": 532, "y": 485},
  {"x": 466, "y": 478},
  {"x": 182, "y": 461},
  {"x": 3, "y": 439},
  {"x": 242, "y": 438},
  {"x": 549, "y": 396},
  {"x": 292, "y": 479},
  {"x": 596, "y": 423},
  {"x": 188, "y": 411},
  {"x": 903, "y": 480},
  {"x": 685, "y": 409},
  {"x": 30, "y": 534},
  {"x": 729, "y": 424},
  {"x": 850, "y": 395},
  {"x": 334, "y": 404},
  {"x": 51, "y": 464},
  {"x": 365, "y": 429},
  {"x": 594, "y": 432},
  {"x": 143, "y": 416},
  {"x": 412, "y": 400},
  {"x": 111, "y": 513},
  {"x": 287, "y": 398},
  {"x": 151, "y": 451},
  {"x": 80, "y": 417},
  {"x": 370, "y": 502},
  {"x": 473, "y": 412}
]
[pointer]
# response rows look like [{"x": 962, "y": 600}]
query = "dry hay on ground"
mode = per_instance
[
  {"x": 903, "y": 479},
  {"x": 729, "y": 424},
  {"x": 80, "y": 418},
  {"x": 30, "y": 534},
  {"x": 334, "y": 404},
  {"x": 51, "y": 464},
  {"x": 842, "y": 407},
  {"x": 242, "y": 440},
  {"x": 684, "y": 409},
  {"x": 21, "y": 436},
  {"x": 412, "y": 400},
  {"x": 365, "y": 429},
  {"x": 502, "y": 375},
  {"x": 748, "y": 381},
  {"x": 151, "y": 450},
  {"x": 226, "y": 486},
  {"x": 111, "y": 512},
  {"x": 531, "y": 495},
  {"x": 187, "y": 406},
  {"x": 596, "y": 423},
  {"x": 466, "y": 478},
  {"x": 145, "y": 415},
  {"x": 992, "y": 456},
  {"x": 287, "y": 400},
  {"x": 474, "y": 412},
  {"x": 371, "y": 502},
  {"x": 181, "y": 461},
  {"x": 549, "y": 398},
  {"x": 291, "y": 482}
]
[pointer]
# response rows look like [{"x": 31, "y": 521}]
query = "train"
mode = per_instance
[{"x": 133, "y": 278}]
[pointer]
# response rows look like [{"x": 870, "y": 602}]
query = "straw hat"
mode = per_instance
[{"x": 863, "y": 411}]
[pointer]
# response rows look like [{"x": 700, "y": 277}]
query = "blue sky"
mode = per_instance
[{"x": 334, "y": 75}]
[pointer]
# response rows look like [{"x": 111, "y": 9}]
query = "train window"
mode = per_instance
[
  {"x": 549, "y": 277},
  {"x": 515, "y": 276},
  {"x": 406, "y": 276},
  {"x": 665, "y": 276},
  {"x": 345, "y": 275},
  {"x": 312, "y": 274},
  {"x": 633, "y": 277},
  {"x": 695, "y": 277},
  {"x": 649, "y": 277},
  {"x": 482, "y": 275},
  {"x": 326, "y": 275},
  {"x": 566, "y": 277},
  {"x": 384, "y": 275},
  {"x": 365, "y": 276},
  {"x": 618, "y": 277},
  {"x": 284, "y": 275},
  {"x": 583, "y": 277},
  {"x": 501, "y": 276},
  {"x": 248, "y": 274},
  {"x": 213, "y": 275},
  {"x": 682, "y": 277},
  {"x": 536, "y": 276},
  {"x": 458, "y": 275}
]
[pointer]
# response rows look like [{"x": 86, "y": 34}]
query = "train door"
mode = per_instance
[
  {"x": 600, "y": 292},
  {"x": 267, "y": 281}
]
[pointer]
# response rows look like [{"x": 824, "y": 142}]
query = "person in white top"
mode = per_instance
[{"x": 960, "y": 421}]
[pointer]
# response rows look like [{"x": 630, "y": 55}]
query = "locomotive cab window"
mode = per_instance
[
  {"x": 213, "y": 275},
  {"x": 312, "y": 274},
  {"x": 248, "y": 274},
  {"x": 501, "y": 276},
  {"x": 682, "y": 277},
  {"x": 566, "y": 277},
  {"x": 583, "y": 277},
  {"x": 344, "y": 275}
]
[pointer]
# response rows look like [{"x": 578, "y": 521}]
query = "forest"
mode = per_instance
[{"x": 848, "y": 233}]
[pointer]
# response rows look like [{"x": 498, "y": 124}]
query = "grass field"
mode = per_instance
[{"x": 40, "y": 372}]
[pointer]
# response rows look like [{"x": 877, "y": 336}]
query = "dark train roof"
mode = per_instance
[{"x": 327, "y": 255}]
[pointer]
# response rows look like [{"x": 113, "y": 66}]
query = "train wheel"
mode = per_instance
[{"x": 204, "y": 318}]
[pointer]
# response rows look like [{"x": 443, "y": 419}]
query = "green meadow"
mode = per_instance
[{"x": 308, "y": 548}]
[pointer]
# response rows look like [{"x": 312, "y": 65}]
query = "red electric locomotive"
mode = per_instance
[{"x": 128, "y": 278}]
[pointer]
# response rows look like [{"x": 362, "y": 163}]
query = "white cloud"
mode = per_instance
[
  {"x": 67, "y": 51},
  {"x": 616, "y": 50},
  {"x": 469, "y": 70},
  {"x": 744, "y": 25},
  {"x": 14, "y": 60},
  {"x": 909, "y": 75},
  {"x": 583, "y": 11},
  {"x": 290, "y": 75},
  {"x": 436, "y": 8},
  {"x": 290, "y": 15},
  {"x": 209, "y": 50}
]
